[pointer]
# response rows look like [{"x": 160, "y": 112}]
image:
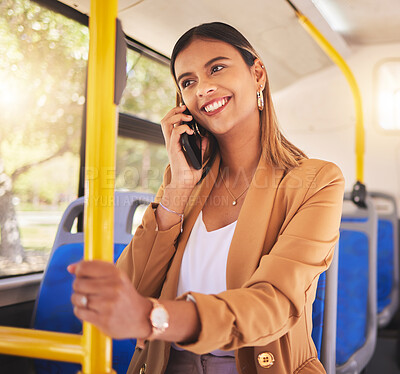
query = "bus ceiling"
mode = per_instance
[{"x": 288, "y": 51}]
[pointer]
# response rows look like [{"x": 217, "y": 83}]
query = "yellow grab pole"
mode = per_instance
[
  {"x": 92, "y": 349},
  {"x": 100, "y": 164},
  {"x": 341, "y": 63},
  {"x": 41, "y": 344}
]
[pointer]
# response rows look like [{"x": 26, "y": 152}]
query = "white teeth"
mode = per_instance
[{"x": 215, "y": 105}]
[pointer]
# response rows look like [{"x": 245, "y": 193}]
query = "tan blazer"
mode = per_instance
[{"x": 284, "y": 238}]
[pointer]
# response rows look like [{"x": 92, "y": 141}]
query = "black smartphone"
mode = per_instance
[{"x": 191, "y": 144}]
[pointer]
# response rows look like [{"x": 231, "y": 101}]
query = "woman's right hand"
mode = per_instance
[{"x": 182, "y": 174}]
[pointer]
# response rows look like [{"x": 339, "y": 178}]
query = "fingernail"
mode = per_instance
[{"x": 70, "y": 268}]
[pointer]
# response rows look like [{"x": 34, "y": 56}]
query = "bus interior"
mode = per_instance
[{"x": 334, "y": 72}]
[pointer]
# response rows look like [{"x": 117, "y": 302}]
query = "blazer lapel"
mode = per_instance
[
  {"x": 250, "y": 232},
  {"x": 252, "y": 225},
  {"x": 192, "y": 210}
]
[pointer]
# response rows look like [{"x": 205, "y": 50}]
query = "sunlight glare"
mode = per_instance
[{"x": 389, "y": 95}]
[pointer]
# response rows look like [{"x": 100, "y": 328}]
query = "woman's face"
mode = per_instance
[{"x": 218, "y": 87}]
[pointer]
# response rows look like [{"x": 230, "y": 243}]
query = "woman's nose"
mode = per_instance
[{"x": 205, "y": 87}]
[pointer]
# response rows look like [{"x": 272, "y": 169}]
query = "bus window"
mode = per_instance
[
  {"x": 388, "y": 94},
  {"x": 149, "y": 94},
  {"x": 42, "y": 96},
  {"x": 150, "y": 91},
  {"x": 139, "y": 165}
]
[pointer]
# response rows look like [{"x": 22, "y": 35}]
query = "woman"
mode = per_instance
[{"x": 232, "y": 251}]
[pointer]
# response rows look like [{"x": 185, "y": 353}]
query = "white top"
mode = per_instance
[{"x": 203, "y": 267}]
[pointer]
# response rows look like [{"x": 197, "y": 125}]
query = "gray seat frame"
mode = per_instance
[
  {"x": 125, "y": 204},
  {"x": 359, "y": 360},
  {"x": 385, "y": 316}
]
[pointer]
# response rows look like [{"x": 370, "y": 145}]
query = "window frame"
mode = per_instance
[
  {"x": 129, "y": 125},
  {"x": 19, "y": 288}
]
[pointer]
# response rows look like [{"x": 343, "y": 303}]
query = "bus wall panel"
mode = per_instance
[{"x": 317, "y": 114}]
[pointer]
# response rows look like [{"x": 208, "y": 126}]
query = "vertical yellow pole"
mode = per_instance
[
  {"x": 100, "y": 164},
  {"x": 341, "y": 63}
]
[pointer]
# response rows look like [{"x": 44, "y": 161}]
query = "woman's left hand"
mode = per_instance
[{"x": 103, "y": 295}]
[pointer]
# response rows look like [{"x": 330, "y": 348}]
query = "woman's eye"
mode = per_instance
[
  {"x": 216, "y": 68},
  {"x": 186, "y": 83}
]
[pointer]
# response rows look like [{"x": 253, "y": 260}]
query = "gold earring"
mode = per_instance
[
  {"x": 196, "y": 129},
  {"x": 199, "y": 130},
  {"x": 260, "y": 100}
]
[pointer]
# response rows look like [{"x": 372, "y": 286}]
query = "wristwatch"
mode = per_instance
[{"x": 159, "y": 318}]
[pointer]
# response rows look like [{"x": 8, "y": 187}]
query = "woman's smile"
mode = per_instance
[{"x": 215, "y": 106}]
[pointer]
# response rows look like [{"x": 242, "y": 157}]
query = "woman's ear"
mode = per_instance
[{"x": 260, "y": 72}]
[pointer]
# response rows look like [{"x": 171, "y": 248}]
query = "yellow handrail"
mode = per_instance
[
  {"x": 41, "y": 344},
  {"x": 100, "y": 163},
  {"x": 92, "y": 349},
  {"x": 341, "y": 63}
]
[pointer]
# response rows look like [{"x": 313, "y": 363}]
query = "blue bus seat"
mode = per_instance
[
  {"x": 388, "y": 257},
  {"x": 53, "y": 309},
  {"x": 357, "y": 301},
  {"x": 324, "y": 315},
  {"x": 318, "y": 313}
]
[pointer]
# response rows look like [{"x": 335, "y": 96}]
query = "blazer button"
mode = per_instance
[
  {"x": 143, "y": 369},
  {"x": 266, "y": 359}
]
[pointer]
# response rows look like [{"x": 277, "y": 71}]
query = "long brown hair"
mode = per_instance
[{"x": 277, "y": 150}]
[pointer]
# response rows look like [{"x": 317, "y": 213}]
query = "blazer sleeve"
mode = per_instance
[
  {"x": 273, "y": 299},
  {"x": 146, "y": 258}
]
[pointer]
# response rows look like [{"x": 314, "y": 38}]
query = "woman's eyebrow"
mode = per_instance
[
  {"x": 215, "y": 59},
  {"x": 208, "y": 63}
]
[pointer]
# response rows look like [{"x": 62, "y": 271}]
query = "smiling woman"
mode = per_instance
[
  {"x": 278, "y": 150},
  {"x": 221, "y": 275}
]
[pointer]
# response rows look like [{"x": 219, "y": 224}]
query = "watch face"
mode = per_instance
[{"x": 159, "y": 318}]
